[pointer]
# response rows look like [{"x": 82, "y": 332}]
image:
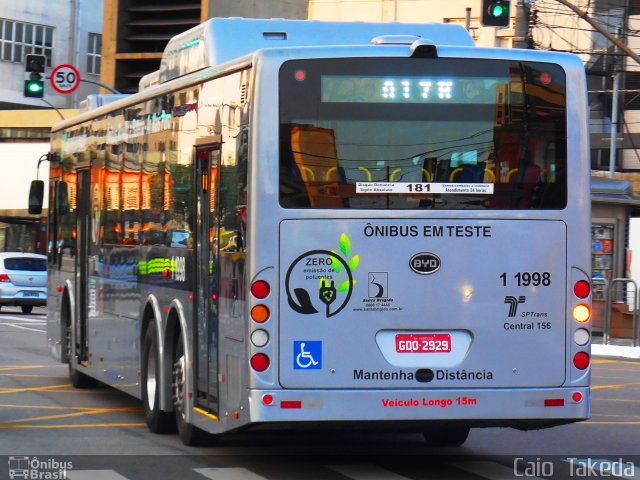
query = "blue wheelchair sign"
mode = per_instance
[{"x": 307, "y": 355}]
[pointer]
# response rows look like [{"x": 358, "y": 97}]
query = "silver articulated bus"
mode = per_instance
[{"x": 329, "y": 224}]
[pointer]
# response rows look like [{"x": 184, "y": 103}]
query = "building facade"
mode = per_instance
[
  {"x": 136, "y": 31},
  {"x": 70, "y": 33}
]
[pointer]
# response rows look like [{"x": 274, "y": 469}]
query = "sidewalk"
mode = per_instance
[{"x": 618, "y": 348}]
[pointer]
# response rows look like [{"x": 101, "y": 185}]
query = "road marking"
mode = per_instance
[
  {"x": 23, "y": 328},
  {"x": 24, "y": 319},
  {"x": 632, "y": 370},
  {"x": 52, "y": 407},
  {"x": 589, "y": 422},
  {"x": 615, "y": 400},
  {"x": 94, "y": 411},
  {"x": 33, "y": 389},
  {"x": 602, "y": 467},
  {"x": 33, "y": 324},
  {"x": 94, "y": 475},
  {"x": 228, "y": 474},
  {"x": 490, "y": 470},
  {"x": 29, "y": 367},
  {"x": 80, "y": 425},
  {"x": 365, "y": 472},
  {"x": 613, "y": 415},
  {"x": 614, "y": 362},
  {"x": 620, "y": 385}
]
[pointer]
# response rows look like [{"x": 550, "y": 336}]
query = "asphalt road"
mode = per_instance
[{"x": 100, "y": 434}]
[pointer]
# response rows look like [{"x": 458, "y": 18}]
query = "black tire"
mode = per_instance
[
  {"x": 189, "y": 434},
  {"x": 446, "y": 436},
  {"x": 27, "y": 308},
  {"x": 157, "y": 420}
]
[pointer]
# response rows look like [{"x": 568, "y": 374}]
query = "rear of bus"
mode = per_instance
[{"x": 425, "y": 257}]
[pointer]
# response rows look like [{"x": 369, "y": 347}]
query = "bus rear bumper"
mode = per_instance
[{"x": 520, "y": 408}]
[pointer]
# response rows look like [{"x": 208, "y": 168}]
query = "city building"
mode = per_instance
[
  {"x": 68, "y": 34},
  {"x": 136, "y": 31}
]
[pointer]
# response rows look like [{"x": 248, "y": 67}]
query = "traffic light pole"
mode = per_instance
[
  {"x": 54, "y": 107},
  {"x": 521, "y": 30}
]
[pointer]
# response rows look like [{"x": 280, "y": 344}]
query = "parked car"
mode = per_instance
[{"x": 23, "y": 280}]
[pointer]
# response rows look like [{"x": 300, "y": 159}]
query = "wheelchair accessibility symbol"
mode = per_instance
[{"x": 307, "y": 355}]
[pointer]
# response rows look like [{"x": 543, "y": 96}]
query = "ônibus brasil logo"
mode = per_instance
[{"x": 322, "y": 280}]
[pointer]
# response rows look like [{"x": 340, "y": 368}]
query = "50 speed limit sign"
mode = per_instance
[{"x": 65, "y": 78}]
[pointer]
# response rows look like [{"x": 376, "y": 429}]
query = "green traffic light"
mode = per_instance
[
  {"x": 34, "y": 87},
  {"x": 498, "y": 11}
]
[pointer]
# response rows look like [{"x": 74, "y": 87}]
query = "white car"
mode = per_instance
[{"x": 23, "y": 280}]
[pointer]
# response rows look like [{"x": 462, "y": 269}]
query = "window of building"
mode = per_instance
[
  {"x": 94, "y": 53},
  {"x": 632, "y": 94},
  {"x": 18, "y": 39},
  {"x": 24, "y": 134}
]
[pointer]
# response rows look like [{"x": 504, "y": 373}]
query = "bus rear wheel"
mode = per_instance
[
  {"x": 189, "y": 433},
  {"x": 446, "y": 436},
  {"x": 157, "y": 420}
]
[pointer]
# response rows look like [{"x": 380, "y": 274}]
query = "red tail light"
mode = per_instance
[
  {"x": 581, "y": 360},
  {"x": 582, "y": 289},
  {"x": 260, "y": 362},
  {"x": 260, "y": 289},
  {"x": 4, "y": 277}
]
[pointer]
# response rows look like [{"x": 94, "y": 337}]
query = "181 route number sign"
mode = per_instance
[{"x": 65, "y": 78}]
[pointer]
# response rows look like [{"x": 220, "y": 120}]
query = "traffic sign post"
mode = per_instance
[{"x": 65, "y": 78}]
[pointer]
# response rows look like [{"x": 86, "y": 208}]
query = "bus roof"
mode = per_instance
[{"x": 222, "y": 39}]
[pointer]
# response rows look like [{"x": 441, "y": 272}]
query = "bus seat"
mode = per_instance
[
  {"x": 467, "y": 173},
  {"x": 532, "y": 174},
  {"x": 314, "y": 152}
]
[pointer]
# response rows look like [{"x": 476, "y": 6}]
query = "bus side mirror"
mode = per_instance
[
  {"x": 36, "y": 196},
  {"x": 62, "y": 198}
]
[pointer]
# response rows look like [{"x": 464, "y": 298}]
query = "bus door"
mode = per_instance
[
  {"x": 206, "y": 277},
  {"x": 81, "y": 282}
]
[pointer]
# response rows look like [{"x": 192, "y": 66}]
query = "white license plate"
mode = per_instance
[{"x": 423, "y": 342}]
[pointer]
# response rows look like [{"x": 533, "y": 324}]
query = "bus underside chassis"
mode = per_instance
[
  {"x": 157, "y": 420},
  {"x": 77, "y": 378},
  {"x": 446, "y": 436}
]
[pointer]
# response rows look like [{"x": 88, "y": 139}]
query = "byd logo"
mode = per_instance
[{"x": 425, "y": 263}]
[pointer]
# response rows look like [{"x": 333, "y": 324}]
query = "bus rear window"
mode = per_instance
[{"x": 418, "y": 133}]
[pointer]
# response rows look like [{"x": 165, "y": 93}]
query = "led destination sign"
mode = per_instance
[{"x": 367, "y": 89}]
